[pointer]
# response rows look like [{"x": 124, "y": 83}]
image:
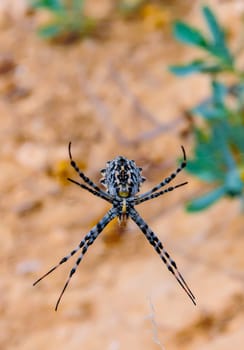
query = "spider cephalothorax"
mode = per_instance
[{"x": 122, "y": 179}]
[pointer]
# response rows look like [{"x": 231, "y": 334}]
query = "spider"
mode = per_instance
[{"x": 122, "y": 180}]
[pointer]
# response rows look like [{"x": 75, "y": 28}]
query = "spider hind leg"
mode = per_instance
[
  {"x": 84, "y": 245},
  {"x": 164, "y": 255}
]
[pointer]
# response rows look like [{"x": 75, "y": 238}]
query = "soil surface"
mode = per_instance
[{"x": 110, "y": 95}]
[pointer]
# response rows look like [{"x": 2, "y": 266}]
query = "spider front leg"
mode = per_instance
[
  {"x": 155, "y": 242},
  {"x": 84, "y": 177},
  {"x": 98, "y": 194},
  {"x": 84, "y": 245},
  {"x": 157, "y": 194},
  {"x": 168, "y": 179}
]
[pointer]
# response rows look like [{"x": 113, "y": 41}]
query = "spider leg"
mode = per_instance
[
  {"x": 168, "y": 179},
  {"x": 157, "y": 194},
  {"x": 84, "y": 244},
  {"x": 98, "y": 194},
  {"x": 83, "y": 176},
  {"x": 155, "y": 242}
]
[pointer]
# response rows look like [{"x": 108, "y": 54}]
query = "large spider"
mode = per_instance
[{"x": 122, "y": 179}]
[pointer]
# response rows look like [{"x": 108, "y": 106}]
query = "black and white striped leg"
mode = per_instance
[
  {"x": 157, "y": 194},
  {"x": 155, "y": 242},
  {"x": 168, "y": 179},
  {"x": 83, "y": 176},
  {"x": 98, "y": 194},
  {"x": 84, "y": 244}
]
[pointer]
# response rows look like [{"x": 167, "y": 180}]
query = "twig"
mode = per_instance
[
  {"x": 103, "y": 113},
  {"x": 141, "y": 110},
  {"x": 151, "y": 317},
  {"x": 135, "y": 102},
  {"x": 148, "y": 135}
]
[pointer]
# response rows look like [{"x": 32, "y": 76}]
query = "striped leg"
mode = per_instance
[
  {"x": 157, "y": 194},
  {"x": 98, "y": 194},
  {"x": 84, "y": 244},
  {"x": 168, "y": 179},
  {"x": 155, "y": 242},
  {"x": 83, "y": 176}
]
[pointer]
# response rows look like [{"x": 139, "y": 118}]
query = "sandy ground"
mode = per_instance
[{"x": 108, "y": 96}]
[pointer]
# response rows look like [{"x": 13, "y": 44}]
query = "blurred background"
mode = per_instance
[{"x": 97, "y": 73}]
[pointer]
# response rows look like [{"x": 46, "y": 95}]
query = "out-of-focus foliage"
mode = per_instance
[
  {"x": 130, "y": 7},
  {"x": 219, "y": 58},
  {"x": 219, "y": 141},
  {"x": 67, "y": 21},
  {"x": 153, "y": 14}
]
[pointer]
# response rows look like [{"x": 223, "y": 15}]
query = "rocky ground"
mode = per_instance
[{"x": 109, "y": 96}]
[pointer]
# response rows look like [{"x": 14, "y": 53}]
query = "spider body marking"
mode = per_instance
[{"x": 122, "y": 180}]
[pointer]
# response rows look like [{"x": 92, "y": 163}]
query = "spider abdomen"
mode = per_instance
[{"x": 122, "y": 177}]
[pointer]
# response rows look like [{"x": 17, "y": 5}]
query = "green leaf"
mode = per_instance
[
  {"x": 220, "y": 133},
  {"x": 189, "y": 35},
  {"x": 214, "y": 107},
  {"x": 233, "y": 183},
  {"x": 219, "y": 92},
  {"x": 203, "y": 169},
  {"x": 219, "y": 47},
  {"x": 209, "y": 161},
  {"x": 182, "y": 70},
  {"x": 237, "y": 138},
  {"x": 221, "y": 52},
  {"x": 212, "y": 68},
  {"x": 215, "y": 29},
  {"x": 210, "y": 111},
  {"x": 196, "y": 66},
  {"x": 52, "y": 5},
  {"x": 240, "y": 96},
  {"x": 206, "y": 200},
  {"x": 50, "y": 31}
]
